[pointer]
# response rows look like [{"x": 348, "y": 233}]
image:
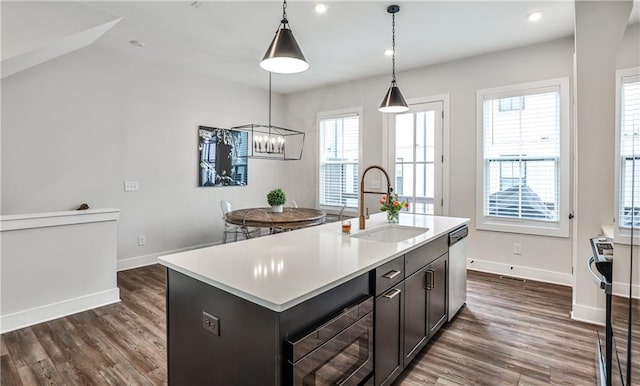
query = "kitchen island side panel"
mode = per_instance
[{"x": 247, "y": 350}]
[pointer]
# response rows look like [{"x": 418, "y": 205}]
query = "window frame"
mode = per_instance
[
  {"x": 335, "y": 114},
  {"x": 527, "y": 226},
  {"x": 622, "y": 234}
]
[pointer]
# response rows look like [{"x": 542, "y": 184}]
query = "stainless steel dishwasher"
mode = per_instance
[{"x": 457, "y": 270}]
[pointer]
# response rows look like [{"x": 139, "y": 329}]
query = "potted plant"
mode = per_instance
[{"x": 276, "y": 198}]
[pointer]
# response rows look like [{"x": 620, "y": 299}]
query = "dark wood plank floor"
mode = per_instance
[
  {"x": 510, "y": 333},
  {"x": 120, "y": 344}
]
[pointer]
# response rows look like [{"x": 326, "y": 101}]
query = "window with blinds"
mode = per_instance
[
  {"x": 629, "y": 120},
  {"x": 338, "y": 160},
  {"x": 523, "y": 170}
]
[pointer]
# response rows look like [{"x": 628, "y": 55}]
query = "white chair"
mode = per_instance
[
  {"x": 341, "y": 212},
  {"x": 336, "y": 217},
  {"x": 232, "y": 229}
]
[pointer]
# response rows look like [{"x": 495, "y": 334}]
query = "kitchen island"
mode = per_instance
[{"x": 234, "y": 310}]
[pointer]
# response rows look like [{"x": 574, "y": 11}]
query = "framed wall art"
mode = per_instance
[{"x": 223, "y": 157}]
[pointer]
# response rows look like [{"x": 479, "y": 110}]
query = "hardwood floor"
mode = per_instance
[
  {"x": 120, "y": 344},
  {"x": 510, "y": 333}
]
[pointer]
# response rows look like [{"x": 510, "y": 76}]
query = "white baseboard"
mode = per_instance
[
  {"x": 520, "y": 272},
  {"x": 588, "y": 314},
  {"x": 57, "y": 310},
  {"x": 142, "y": 261},
  {"x": 622, "y": 289}
]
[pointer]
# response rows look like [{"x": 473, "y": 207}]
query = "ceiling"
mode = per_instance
[{"x": 227, "y": 39}]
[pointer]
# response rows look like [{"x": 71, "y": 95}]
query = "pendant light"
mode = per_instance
[
  {"x": 393, "y": 102},
  {"x": 284, "y": 56}
]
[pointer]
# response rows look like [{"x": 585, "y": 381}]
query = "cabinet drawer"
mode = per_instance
[
  {"x": 389, "y": 274},
  {"x": 424, "y": 255}
]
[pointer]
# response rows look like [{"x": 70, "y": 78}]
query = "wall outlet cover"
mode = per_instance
[
  {"x": 211, "y": 323},
  {"x": 517, "y": 249},
  {"x": 131, "y": 186}
]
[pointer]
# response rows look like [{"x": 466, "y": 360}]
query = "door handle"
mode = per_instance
[
  {"x": 392, "y": 294},
  {"x": 391, "y": 274},
  {"x": 431, "y": 282}
]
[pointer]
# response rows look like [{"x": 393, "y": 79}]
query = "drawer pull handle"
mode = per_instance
[
  {"x": 391, "y": 274},
  {"x": 392, "y": 294}
]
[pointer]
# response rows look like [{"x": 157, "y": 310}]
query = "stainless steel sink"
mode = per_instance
[{"x": 391, "y": 233}]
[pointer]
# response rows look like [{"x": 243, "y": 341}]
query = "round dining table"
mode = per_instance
[{"x": 290, "y": 218}]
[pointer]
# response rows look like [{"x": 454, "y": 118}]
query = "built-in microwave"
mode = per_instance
[{"x": 339, "y": 352}]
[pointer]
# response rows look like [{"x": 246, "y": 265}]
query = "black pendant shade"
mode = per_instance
[
  {"x": 284, "y": 56},
  {"x": 393, "y": 102}
]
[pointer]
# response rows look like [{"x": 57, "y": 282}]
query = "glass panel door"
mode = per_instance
[{"x": 416, "y": 151}]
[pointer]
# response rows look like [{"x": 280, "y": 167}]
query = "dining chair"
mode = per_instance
[
  {"x": 341, "y": 212},
  {"x": 292, "y": 203},
  {"x": 332, "y": 217},
  {"x": 232, "y": 229}
]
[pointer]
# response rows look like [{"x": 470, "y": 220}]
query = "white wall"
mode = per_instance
[
  {"x": 545, "y": 258},
  {"x": 75, "y": 128},
  {"x": 600, "y": 27},
  {"x": 56, "y": 264}
]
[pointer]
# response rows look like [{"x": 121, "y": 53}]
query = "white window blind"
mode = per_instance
[
  {"x": 629, "y": 200},
  {"x": 338, "y": 156},
  {"x": 521, "y": 150}
]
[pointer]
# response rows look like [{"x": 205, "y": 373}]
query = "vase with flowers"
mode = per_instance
[{"x": 392, "y": 206}]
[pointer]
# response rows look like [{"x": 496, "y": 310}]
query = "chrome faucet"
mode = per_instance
[{"x": 362, "y": 191}]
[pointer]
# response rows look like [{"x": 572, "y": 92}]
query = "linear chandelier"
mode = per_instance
[{"x": 273, "y": 142}]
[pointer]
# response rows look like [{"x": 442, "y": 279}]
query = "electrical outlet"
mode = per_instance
[
  {"x": 374, "y": 184},
  {"x": 131, "y": 186},
  {"x": 211, "y": 323},
  {"x": 517, "y": 249},
  {"x": 142, "y": 241}
]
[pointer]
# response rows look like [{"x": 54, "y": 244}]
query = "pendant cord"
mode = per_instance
[
  {"x": 633, "y": 210},
  {"x": 393, "y": 47},
  {"x": 269, "y": 103},
  {"x": 284, "y": 14}
]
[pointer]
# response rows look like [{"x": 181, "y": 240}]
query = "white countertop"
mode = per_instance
[{"x": 285, "y": 269}]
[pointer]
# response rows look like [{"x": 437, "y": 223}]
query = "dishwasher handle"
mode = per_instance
[{"x": 458, "y": 235}]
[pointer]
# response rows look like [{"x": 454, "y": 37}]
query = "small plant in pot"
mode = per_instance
[{"x": 276, "y": 198}]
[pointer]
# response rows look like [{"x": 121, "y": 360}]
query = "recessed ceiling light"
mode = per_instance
[
  {"x": 320, "y": 8},
  {"x": 534, "y": 16},
  {"x": 388, "y": 52},
  {"x": 137, "y": 43}
]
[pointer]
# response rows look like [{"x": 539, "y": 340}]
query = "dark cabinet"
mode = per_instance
[
  {"x": 415, "y": 312},
  {"x": 388, "y": 335},
  {"x": 437, "y": 293},
  {"x": 410, "y": 307},
  {"x": 425, "y": 308}
]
